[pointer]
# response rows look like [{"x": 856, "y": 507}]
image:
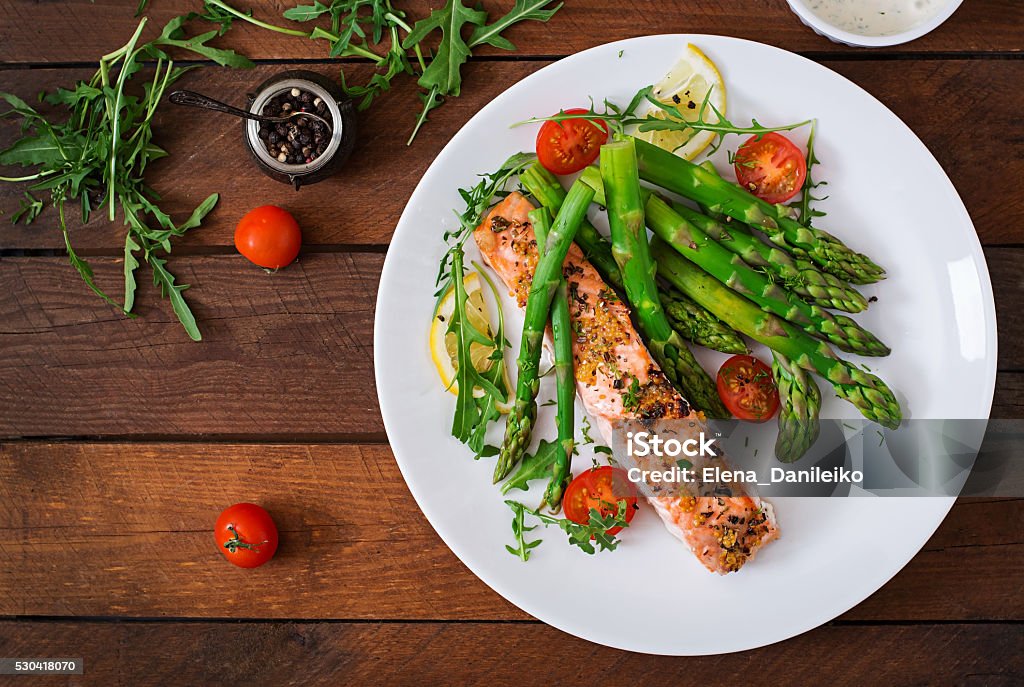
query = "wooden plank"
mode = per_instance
[
  {"x": 501, "y": 654},
  {"x": 362, "y": 204},
  {"x": 124, "y": 529},
  {"x": 283, "y": 354},
  {"x": 79, "y": 31},
  {"x": 137, "y": 519}
]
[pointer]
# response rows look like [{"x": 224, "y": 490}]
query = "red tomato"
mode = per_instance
[
  {"x": 269, "y": 237},
  {"x": 748, "y": 389},
  {"x": 568, "y": 146},
  {"x": 246, "y": 535},
  {"x": 601, "y": 488},
  {"x": 771, "y": 167}
]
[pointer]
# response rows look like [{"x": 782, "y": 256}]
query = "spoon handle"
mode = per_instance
[{"x": 193, "y": 99}]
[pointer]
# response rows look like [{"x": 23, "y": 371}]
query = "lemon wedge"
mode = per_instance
[
  {"x": 443, "y": 344},
  {"x": 686, "y": 86}
]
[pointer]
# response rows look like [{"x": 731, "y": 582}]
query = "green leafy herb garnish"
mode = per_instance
[
  {"x": 807, "y": 213},
  {"x": 29, "y": 209},
  {"x": 97, "y": 157},
  {"x": 536, "y": 466},
  {"x": 474, "y": 413},
  {"x": 359, "y": 29},
  {"x": 585, "y": 431},
  {"x": 585, "y": 536},
  {"x": 519, "y": 530},
  {"x": 618, "y": 118},
  {"x": 443, "y": 76},
  {"x": 631, "y": 398}
]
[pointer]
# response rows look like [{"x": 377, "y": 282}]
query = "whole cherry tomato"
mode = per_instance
[
  {"x": 269, "y": 237},
  {"x": 246, "y": 535}
]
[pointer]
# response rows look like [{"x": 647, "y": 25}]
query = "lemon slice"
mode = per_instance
[
  {"x": 443, "y": 343},
  {"x": 686, "y": 86}
]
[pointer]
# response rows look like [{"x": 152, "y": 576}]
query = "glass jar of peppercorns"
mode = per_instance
[{"x": 309, "y": 146}]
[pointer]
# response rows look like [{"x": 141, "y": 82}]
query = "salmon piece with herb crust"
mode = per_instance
[{"x": 617, "y": 379}]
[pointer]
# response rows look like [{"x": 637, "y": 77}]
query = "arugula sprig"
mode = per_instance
[
  {"x": 97, "y": 157},
  {"x": 807, "y": 213},
  {"x": 585, "y": 536},
  {"x": 360, "y": 28},
  {"x": 533, "y": 466},
  {"x": 620, "y": 118},
  {"x": 479, "y": 394},
  {"x": 443, "y": 76},
  {"x": 28, "y": 211}
]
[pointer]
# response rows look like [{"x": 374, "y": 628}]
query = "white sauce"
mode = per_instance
[{"x": 875, "y": 17}]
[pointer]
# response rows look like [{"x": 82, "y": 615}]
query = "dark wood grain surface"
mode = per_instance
[{"x": 121, "y": 440}]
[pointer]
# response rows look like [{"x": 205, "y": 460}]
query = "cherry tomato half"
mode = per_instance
[
  {"x": 747, "y": 388},
  {"x": 771, "y": 167},
  {"x": 246, "y": 535},
  {"x": 568, "y": 146},
  {"x": 269, "y": 237},
  {"x": 601, "y": 488}
]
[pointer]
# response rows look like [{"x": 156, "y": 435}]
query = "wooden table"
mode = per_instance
[{"x": 122, "y": 439}]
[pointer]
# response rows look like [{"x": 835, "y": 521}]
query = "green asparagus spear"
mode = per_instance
[
  {"x": 680, "y": 176},
  {"x": 546, "y": 190},
  {"x": 864, "y": 390},
  {"x": 632, "y": 253},
  {"x": 729, "y": 268},
  {"x": 546, "y": 277},
  {"x": 800, "y": 403},
  {"x": 693, "y": 243},
  {"x": 691, "y": 321},
  {"x": 799, "y": 274},
  {"x": 694, "y": 323},
  {"x": 565, "y": 380}
]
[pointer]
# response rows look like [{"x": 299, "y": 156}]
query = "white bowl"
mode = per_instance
[{"x": 834, "y": 33}]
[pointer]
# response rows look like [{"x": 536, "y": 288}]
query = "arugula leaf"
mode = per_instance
[
  {"x": 215, "y": 14},
  {"x": 29, "y": 209},
  {"x": 444, "y": 73},
  {"x": 536, "y": 466},
  {"x": 519, "y": 528},
  {"x": 472, "y": 415},
  {"x": 521, "y": 11},
  {"x": 130, "y": 265},
  {"x": 197, "y": 216},
  {"x": 173, "y": 35},
  {"x": 306, "y": 12},
  {"x": 585, "y": 536},
  {"x": 37, "y": 150},
  {"x": 83, "y": 268},
  {"x": 165, "y": 280},
  {"x": 807, "y": 213}
]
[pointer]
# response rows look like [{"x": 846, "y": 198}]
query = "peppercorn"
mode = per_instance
[{"x": 302, "y": 139}]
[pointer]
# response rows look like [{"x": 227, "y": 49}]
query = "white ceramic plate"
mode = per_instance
[{"x": 889, "y": 197}]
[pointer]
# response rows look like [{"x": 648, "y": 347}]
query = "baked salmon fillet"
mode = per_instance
[{"x": 723, "y": 532}]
